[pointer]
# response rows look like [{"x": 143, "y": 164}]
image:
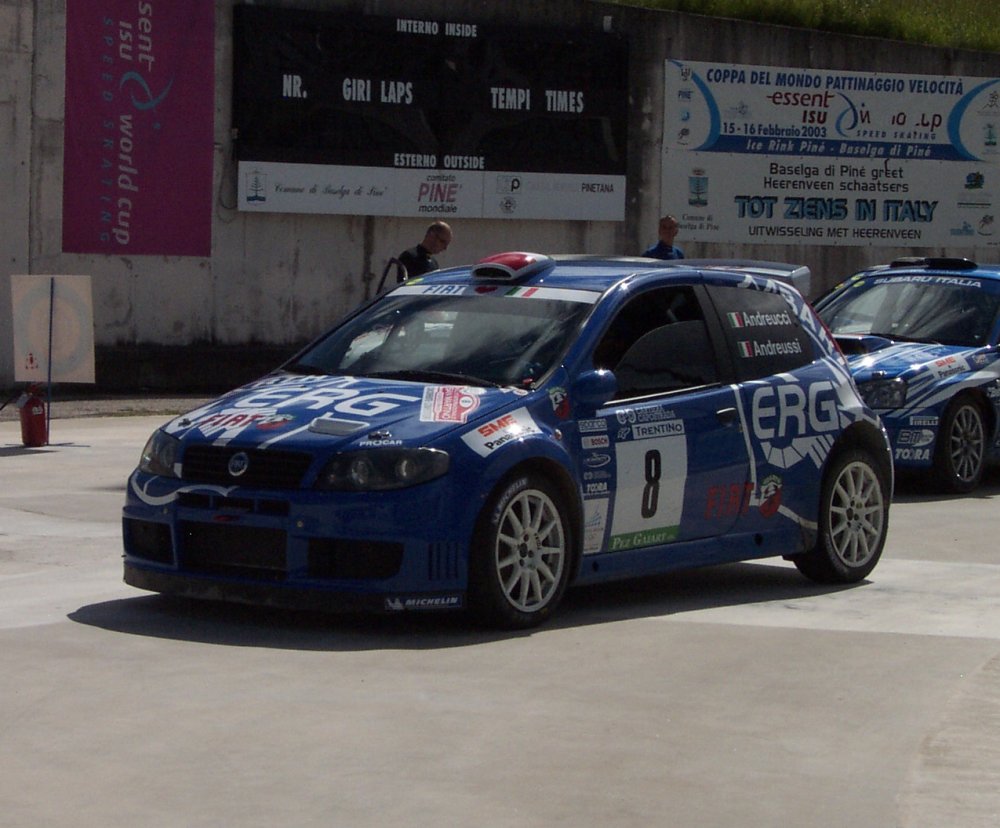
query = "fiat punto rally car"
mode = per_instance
[
  {"x": 482, "y": 437},
  {"x": 921, "y": 339}
]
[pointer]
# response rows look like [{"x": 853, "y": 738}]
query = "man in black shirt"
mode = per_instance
[{"x": 420, "y": 259}]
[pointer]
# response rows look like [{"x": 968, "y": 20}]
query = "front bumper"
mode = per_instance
[
  {"x": 302, "y": 598},
  {"x": 305, "y": 549}
]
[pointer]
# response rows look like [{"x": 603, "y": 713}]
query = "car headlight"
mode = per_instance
[
  {"x": 881, "y": 394},
  {"x": 160, "y": 454},
  {"x": 379, "y": 469}
]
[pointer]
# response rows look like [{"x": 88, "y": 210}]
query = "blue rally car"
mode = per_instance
[
  {"x": 482, "y": 437},
  {"x": 921, "y": 339}
]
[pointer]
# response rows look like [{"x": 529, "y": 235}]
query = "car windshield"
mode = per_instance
[
  {"x": 915, "y": 309},
  {"x": 463, "y": 338}
]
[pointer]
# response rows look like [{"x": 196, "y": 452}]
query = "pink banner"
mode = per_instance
[{"x": 140, "y": 85}]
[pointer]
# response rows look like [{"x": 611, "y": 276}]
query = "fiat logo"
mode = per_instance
[{"x": 239, "y": 463}]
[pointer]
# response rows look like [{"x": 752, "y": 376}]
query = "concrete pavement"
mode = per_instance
[{"x": 738, "y": 695}]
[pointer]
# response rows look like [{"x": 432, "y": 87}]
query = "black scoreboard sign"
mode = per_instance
[{"x": 354, "y": 114}]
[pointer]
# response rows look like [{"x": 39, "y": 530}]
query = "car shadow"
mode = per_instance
[
  {"x": 226, "y": 624},
  {"x": 48, "y": 448},
  {"x": 912, "y": 487}
]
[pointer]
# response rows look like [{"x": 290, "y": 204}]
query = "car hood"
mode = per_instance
[
  {"x": 876, "y": 357},
  {"x": 335, "y": 413}
]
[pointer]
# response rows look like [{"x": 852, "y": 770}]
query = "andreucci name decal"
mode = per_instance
[{"x": 746, "y": 319}]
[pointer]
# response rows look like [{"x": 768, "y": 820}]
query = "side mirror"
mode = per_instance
[{"x": 592, "y": 389}]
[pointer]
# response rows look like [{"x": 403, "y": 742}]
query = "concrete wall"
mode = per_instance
[
  {"x": 16, "y": 96},
  {"x": 276, "y": 280}
]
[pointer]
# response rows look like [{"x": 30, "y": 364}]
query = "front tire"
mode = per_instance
[
  {"x": 960, "y": 454},
  {"x": 521, "y": 554},
  {"x": 853, "y": 521}
]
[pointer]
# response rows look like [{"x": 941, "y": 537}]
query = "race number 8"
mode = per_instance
[{"x": 651, "y": 491}]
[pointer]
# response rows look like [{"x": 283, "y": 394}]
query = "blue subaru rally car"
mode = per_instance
[
  {"x": 482, "y": 437},
  {"x": 921, "y": 338}
]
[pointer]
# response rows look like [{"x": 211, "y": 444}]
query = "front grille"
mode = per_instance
[
  {"x": 263, "y": 468},
  {"x": 442, "y": 561},
  {"x": 210, "y": 501},
  {"x": 247, "y": 551},
  {"x": 331, "y": 559},
  {"x": 148, "y": 540}
]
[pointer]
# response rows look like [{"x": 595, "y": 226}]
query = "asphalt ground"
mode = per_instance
[{"x": 739, "y": 695}]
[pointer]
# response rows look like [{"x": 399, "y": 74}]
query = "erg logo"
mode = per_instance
[
  {"x": 791, "y": 411},
  {"x": 794, "y": 423}
]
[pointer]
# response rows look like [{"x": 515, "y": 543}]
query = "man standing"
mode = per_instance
[
  {"x": 664, "y": 248},
  {"x": 420, "y": 259}
]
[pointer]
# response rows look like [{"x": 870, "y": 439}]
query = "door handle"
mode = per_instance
[{"x": 726, "y": 416}]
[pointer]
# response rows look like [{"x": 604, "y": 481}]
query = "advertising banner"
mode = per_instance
[
  {"x": 139, "y": 127},
  {"x": 356, "y": 114},
  {"x": 764, "y": 154}
]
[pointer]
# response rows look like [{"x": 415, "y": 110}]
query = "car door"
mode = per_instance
[
  {"x": 680, "y": 458},
  {"x": 789, "y": 401}
]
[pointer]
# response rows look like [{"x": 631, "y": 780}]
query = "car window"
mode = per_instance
[
  {"x": 762, "y": 332},
  {"x": 658, "y": 343},
  {"x": 924, "y": 309},
  {"x": 468, "y": 336}
]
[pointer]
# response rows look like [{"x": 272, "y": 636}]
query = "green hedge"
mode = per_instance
[{"x": 959, "y": 24}]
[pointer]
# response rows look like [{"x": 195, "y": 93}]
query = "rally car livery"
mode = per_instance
[
  {"x": 921, "y": 338},
  {"x": 482, "y": 437}
]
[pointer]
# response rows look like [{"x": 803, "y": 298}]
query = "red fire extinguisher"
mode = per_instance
[{"x": 34, "y": 425}]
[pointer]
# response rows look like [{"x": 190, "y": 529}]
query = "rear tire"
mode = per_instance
[
  {"x": 853, "y": 521},
  {"x": 960, "y": 454},
  {"x": 520, "y": 560}
]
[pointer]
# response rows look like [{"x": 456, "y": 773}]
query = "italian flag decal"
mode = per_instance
[
  {"x": 746, "y": 349},
  {"x": 735, "y": 320}
]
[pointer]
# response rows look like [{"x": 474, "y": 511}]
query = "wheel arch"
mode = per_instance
[
  {"x": 985, "y": 406},
  {"x": 864, "y": 435},
  {"x": 568, "y": 491}
]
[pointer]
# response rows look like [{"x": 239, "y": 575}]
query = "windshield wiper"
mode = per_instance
[
  {"x": 423, "y": 375},
  {"x": 303, "y": 368}
]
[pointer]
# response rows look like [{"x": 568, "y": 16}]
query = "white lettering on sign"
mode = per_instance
[
  {"x": 507, "y": 97},
  {"x": 357, "y": 89},
  {"x": 396, "y": 92},
  {"x": 563, "y": 100}
]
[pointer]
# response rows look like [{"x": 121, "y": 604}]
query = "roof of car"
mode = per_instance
[
  {"x": 598, "y": 273},
  {"x": 945, "y": 266}
]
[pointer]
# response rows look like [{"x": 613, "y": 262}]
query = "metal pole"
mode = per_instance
[{"x": 52, "y": 313}]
